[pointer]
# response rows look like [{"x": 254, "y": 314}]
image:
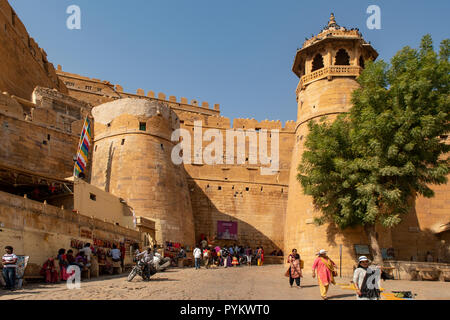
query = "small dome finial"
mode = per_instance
[{"x": 332, "y": 20}]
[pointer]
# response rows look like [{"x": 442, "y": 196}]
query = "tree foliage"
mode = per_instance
[{"x": 366, "y": 166}]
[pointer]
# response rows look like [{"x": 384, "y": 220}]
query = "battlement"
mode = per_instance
[
  {"x": 224, "y": 123},
  {"x": 105, "y": 88}
]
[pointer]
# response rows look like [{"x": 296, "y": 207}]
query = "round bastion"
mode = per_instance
[{"x": 132, "y": 160}]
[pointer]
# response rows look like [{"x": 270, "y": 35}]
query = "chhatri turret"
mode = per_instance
[{"x": 327, "y": 65}]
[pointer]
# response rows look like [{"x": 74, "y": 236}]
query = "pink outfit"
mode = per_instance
[
  {"x": 295, "y": 269},
  {"x": 323, "y": 273}
]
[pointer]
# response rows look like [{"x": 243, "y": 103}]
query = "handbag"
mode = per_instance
[{"x": 334, "y": 273}]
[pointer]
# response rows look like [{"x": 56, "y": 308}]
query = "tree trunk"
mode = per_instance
[{"x": 375, "y": 248}]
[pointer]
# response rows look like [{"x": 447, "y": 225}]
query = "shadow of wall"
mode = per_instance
[{"x": 260, "y": 220}]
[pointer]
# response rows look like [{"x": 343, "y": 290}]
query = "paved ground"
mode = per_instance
[{"x": 246, "y": 283}]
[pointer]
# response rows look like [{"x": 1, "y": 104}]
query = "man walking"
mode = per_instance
[{"x": 197, "y": 256}]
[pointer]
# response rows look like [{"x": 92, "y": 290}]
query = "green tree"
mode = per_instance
[{"x": 367, "y": 166}]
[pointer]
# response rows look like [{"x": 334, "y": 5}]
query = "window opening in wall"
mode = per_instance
[
  {"x": 281, "y": 190},
  {"x": 247, "y": 189},
  {"x": 342, "y": 58},
  {"x": 93, "y": 197},
  {"x": 88, "y": 87},
  {"x": 48, "y": 137},
  {"x": 361, "y": 62},
  {"x": 232, "y": 188},
  {"x": 142, "y": 126},
  {"x": 219, "y": 188},
  {"x": 261, "y": 189},
  {"x": 317, "y": 62},
  {"x": 108, "y": 125},
  {"x": 44, "y": 142},
  {"x": 162, "y": 146},
  {"x": 123, "y": 142}
]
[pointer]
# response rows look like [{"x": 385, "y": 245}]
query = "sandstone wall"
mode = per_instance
[
  {"x": 320, "y": 98},
  {"x": 239, "y": 192},
  {"x": 39, "y": 230},
  {"x": 23, "y": 64},
  {"x": 35, "y": 142},
  {"x": 258, "y": 218},
  {"x": 134, "y": 163}
]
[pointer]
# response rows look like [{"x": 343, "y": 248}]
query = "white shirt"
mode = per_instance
[
  {"x": 87, "y": 252},
  {"x": 197, "y": 253},
  {"x": 9, "y": 258},
  {"x": 156, "y": 258}
]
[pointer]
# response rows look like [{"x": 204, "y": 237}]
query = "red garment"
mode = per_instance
[{"x": 49, "y": 271}]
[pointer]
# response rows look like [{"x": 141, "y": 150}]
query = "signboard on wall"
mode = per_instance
[
  {"x": 362, "y": 249},
  {"x": 227, "y": 230}
]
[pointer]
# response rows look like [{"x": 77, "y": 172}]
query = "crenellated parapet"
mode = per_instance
[{"x": 92, "y": 89}]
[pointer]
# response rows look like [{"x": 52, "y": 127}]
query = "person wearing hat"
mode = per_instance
[
  {"x": 366, "y": 280},
  {"x": 325, "y": 272}
]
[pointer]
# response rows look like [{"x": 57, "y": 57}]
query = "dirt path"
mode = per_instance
[{"x": 242, "y": 283}]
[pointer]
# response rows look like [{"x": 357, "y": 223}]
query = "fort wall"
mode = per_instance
[
  {"x": 24, "y": 65},
  {"x": 40, "y": 230},
  {"x": 132, "y": 160},
  {"x": 35, "y": 142}
]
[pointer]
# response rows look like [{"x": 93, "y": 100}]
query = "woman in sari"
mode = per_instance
[
  {"x": 260, "y": 255},
  {"x": 325, "y": 272},
  {"x": 63, "y": 264},
  {"x": 49, "y": 271}
]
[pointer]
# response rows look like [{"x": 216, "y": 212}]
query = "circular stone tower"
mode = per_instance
[
  {"x": 327, "y": 65},
  {"x": 132, "y": 160}
]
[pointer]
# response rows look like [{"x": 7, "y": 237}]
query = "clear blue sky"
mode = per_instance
[{"x": 238, "y": 53}]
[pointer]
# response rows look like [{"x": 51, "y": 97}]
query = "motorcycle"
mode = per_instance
[
  {"x": 160, "y": 263},
  {"x": 141, "y": 268}
]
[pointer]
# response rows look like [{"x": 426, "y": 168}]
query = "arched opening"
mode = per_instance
[
  {"x": 342, "y": 58},
  {"x": 317, "y": 62},
  {"x": 361, "y": 62}
]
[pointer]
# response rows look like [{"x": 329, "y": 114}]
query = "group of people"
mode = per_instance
[
  {"x": 365, "y": 277},
  {"x": 55, "y": 270},
  {"x": 227, "y": 256}
]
